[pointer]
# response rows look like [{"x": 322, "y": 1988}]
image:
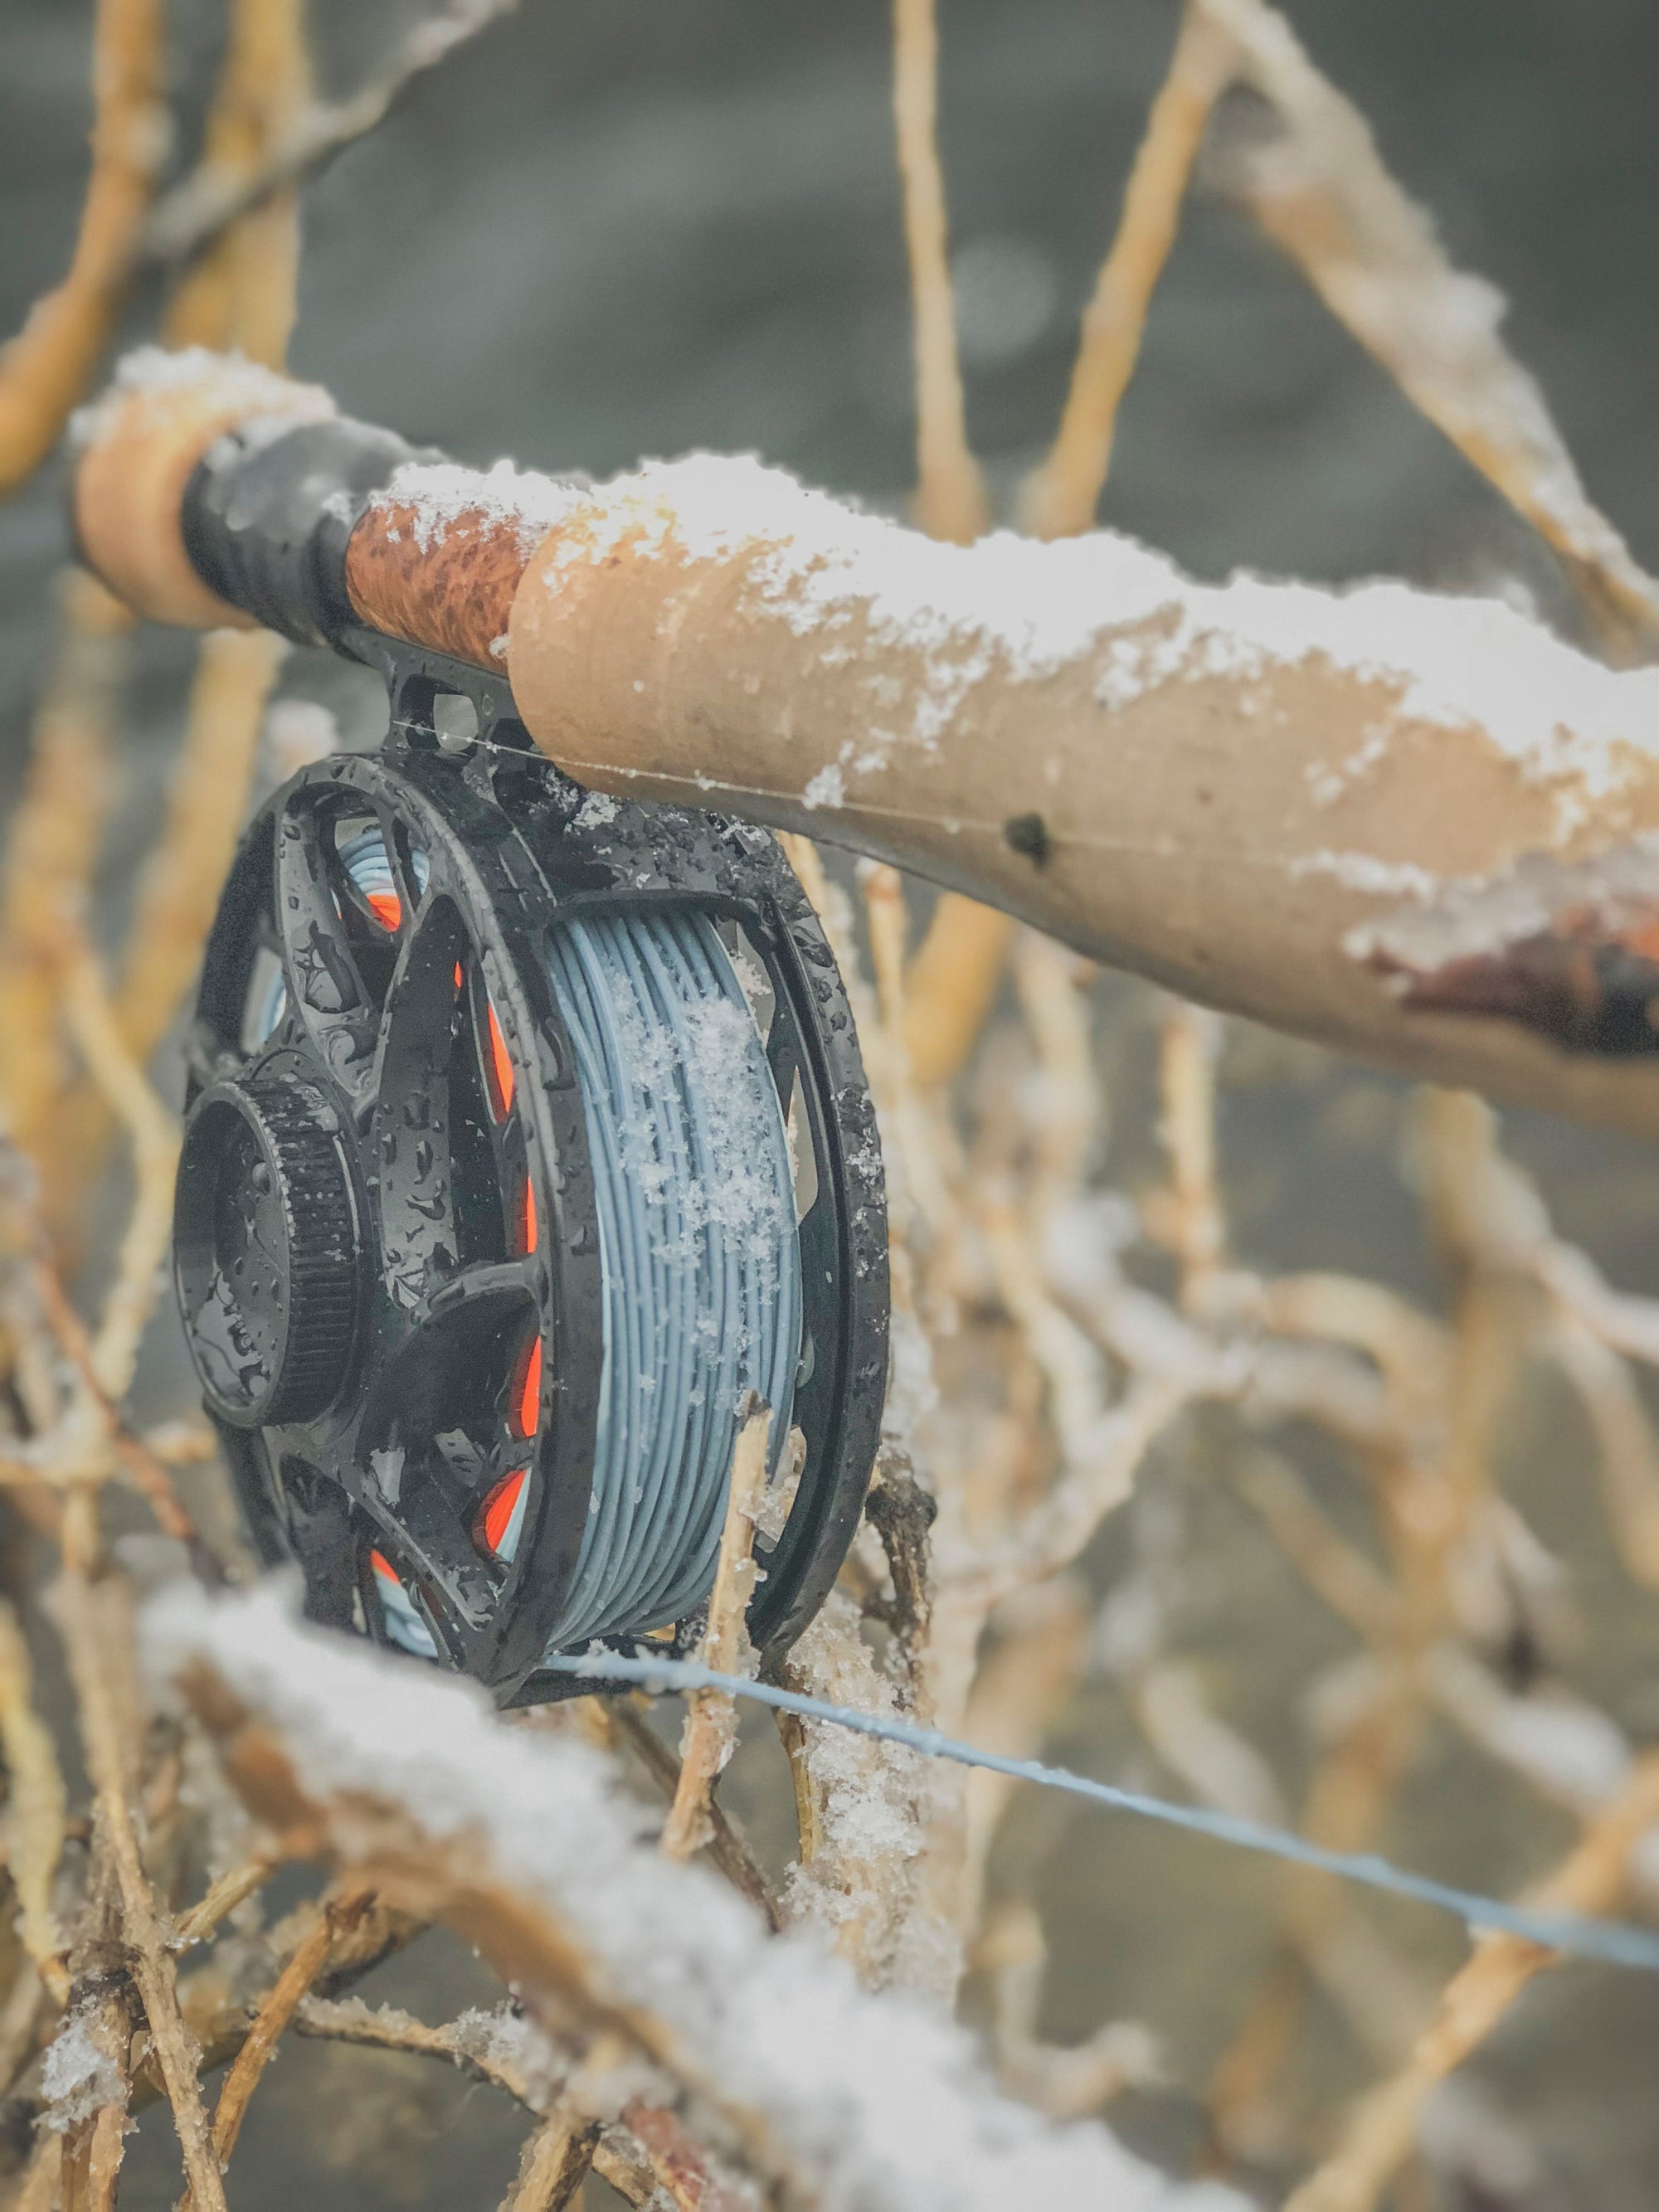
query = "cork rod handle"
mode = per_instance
[{"x": 1417, "y": 829}]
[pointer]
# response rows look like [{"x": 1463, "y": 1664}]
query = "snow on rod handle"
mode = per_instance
[{"x": 1418, "y": 828}]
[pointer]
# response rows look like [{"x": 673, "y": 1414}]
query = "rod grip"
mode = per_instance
[
  {"x": 139, "y": 449},
  {"x": 269, "y": 511}
]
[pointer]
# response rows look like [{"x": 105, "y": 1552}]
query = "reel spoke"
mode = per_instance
[
  {"x": 428, "y": 1540},
  {"x": 464, "y": 1322},
  {"x": 410, "y": 868},
  {"x": 326, "y": 988},
  {"x": 424, "y": 1128}
]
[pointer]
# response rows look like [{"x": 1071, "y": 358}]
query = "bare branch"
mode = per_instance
[
  {"x": 949, "y": 498},
  {"x": 240, "y": 294},
  {"x": 339, "y": 1915},
  {"x": 1061, "y": 498},
  {"x": 154, "y": 1133},
  {"x": 222, "y": 1898},
  {"x": 147, "y": 1474},
  {"x": 1310, "y": 174},
  {"x": 1383, "y": 2126},
  {"x": 491, "y": 2048},
  {"x": 46, "y": 369},
  {"x": 207, "y": 801},
  {"x": 726, "y": 1847},
  {"x": 951, "y": 985},
  {"x": 711, "y": 1720},
  {"x": 51, "y": 846},
  {"x": 98, "y": 1650},
  {"x": 38, "y": 1806},
  {"x": 555, "y": 2161},
  {"x": 193, "y": 213}
]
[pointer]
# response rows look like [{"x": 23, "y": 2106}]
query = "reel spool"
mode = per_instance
[{"x": 527, "y": 1141}]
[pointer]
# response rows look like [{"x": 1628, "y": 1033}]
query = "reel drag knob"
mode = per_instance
[{"x": 266, "y": 1251}]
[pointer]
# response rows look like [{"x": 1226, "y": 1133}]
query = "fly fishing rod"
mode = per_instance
[
  {"x": 527, "y": 1142},
  {"x": 502, "y": 1081},
  {"x": 1418, "y": 828}
]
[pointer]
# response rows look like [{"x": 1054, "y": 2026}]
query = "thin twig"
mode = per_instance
[
  {"x": 1383, "y": 2126},
  {"x": 240, "y": 294},
  {"x": 679, "y": 2167},
  {"x": 339, "y": 1915},
  {"x": 154, "y": 1133},
  {"x": 1189, "y": 1045},
  {"x": 216, "y": 2014},
  {"x": 555, "y": 2162},
  {"x": 1062, "y": 496},
  {"x": 645, "y": 2155},
  {"x": 221, "y": 1899},
  {"x": 96, "y": 1644},
  {"x": 950, "y": 496},
  {"x": 181, "y": 1444},
  {"x": 193, "y": 213},
  {"x": 726, "y": 1847},
  {"x": 147, "y": 1474},
  {"x": 46, "y": 369},
  {"x": 1430, "y": 1496},
  {"x": 1312, "y": 178},
  {"x": 1354, "y": 1589},
  {"x": 37, "y": 1803},
  {"x": 951, "y": 986},
  {"x": 207, "y": 798},
  {"x": 51, "y": 849},
  {"x": 914, "y": 1178},
  {"x": 486, "y": 2056},
  {"x": 1058, "y": 1528},
  {"x": 1024, "y": 1685},
  {"x": 1626, "y": 1451},
  {"x": 710, "y": 1719}
]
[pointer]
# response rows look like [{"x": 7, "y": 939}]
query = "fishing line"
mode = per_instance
[
  {"x": 1614, "y": 1942},
  {"x": 698, "y": 1249},
  {"x": 713, "y": 791}
]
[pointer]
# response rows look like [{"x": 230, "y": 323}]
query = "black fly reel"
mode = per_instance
[{"x": 527, "y": 1138}]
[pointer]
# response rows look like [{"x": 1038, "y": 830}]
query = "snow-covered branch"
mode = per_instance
[{"x": 863, "y": 2101}]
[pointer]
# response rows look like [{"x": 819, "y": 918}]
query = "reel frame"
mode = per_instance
[{"x": 386, "y": 1452}]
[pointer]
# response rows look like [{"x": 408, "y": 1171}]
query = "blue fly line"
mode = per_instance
[
  {"x": 699, "y": 1264},
  {"x": 1614, "y": 1942},
  {"x": 699, "y": 1253}
]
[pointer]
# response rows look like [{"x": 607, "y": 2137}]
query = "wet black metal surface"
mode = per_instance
[{"x": 354, "y": 1294}]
